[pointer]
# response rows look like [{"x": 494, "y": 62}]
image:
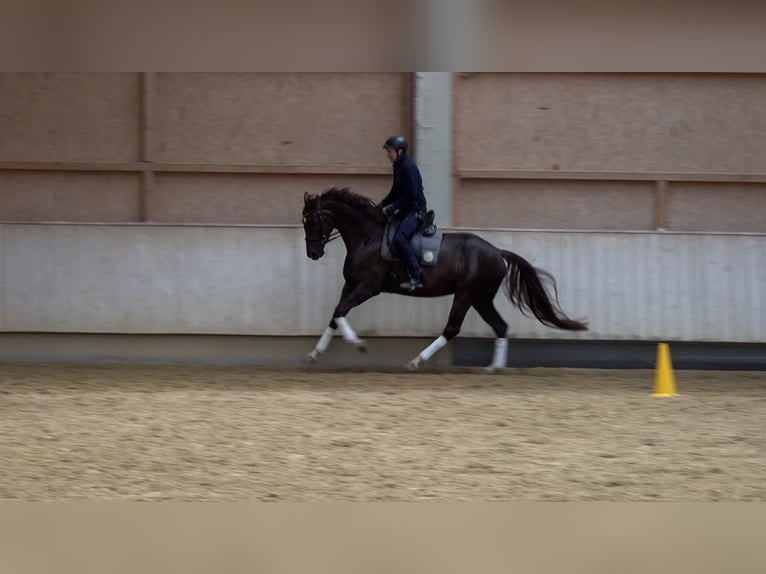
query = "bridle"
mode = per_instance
[{"x": 316, "y": 216}]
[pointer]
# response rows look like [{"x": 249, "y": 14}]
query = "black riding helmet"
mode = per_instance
[{"x": 396, "y": 143}]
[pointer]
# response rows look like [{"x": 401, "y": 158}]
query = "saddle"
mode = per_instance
[
  {"x": 428, "y": 226},
  {"x": 426, "y": 241}
]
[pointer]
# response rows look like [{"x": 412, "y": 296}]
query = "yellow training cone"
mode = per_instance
[{"x": 664, "y": 382}]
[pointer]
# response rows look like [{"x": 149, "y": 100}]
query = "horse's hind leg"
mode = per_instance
[
  {"x": 486, "y": 309},
  {"x": 460, "y": 306}
]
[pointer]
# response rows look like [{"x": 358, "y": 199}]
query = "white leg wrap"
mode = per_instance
[
  {"x": 325, "y": 339},
  {"x": 431, "y": 350},
  {"x": 500, "y": 359},
  {"x": 348, "y": 333}
]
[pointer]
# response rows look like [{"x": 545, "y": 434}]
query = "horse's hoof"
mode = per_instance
[
  {"x": 413, "y": 365},
  {"x": 361, "y": 346},
  {"x": 311, "y": 358},
  {"x": 491, "y": 370}
]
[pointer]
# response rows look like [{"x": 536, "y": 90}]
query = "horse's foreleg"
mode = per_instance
[
  {"x": 329, "y": 332},
  {"x": 460, "y": 306},
  {"x": 349, "y": 335},
  {"x": 350, "y": 298},
  {"x": 322, "y": 344}
]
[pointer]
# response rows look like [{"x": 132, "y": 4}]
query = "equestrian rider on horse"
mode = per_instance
[{"x": 407, "y": 202}]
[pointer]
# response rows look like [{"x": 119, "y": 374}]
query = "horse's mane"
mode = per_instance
[{"x": 346, "y": 196}]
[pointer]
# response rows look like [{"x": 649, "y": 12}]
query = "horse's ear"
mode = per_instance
[{"x": 306, "y": 197}]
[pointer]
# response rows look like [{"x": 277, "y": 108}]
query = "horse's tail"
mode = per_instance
[{"x": 525, "y": 287}]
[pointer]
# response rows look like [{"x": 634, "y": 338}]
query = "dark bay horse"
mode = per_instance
[{"x": 468, "y": 266}]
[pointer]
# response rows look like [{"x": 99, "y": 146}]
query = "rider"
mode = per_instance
[{"x": 408, "y": 203}]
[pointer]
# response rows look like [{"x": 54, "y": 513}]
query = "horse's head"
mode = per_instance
[{"x": 317, "y": 225}]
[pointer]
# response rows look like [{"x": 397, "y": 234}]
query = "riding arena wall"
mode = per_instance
[{"x": 157, "y": 215}]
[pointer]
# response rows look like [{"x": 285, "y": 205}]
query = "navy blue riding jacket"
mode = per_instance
[{"x": 407, "y": 190}]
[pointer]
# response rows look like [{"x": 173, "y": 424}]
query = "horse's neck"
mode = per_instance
[{"x": 353, "y": 225}]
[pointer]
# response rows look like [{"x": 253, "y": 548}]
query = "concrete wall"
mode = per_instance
[
  {"x": 246, "y": 280},
  {"x": 433, "y": 140}
]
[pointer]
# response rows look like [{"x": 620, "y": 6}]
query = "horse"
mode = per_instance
[{"x": 468, "y": 267}]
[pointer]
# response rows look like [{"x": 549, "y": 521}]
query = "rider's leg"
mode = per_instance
[{"x": 404, "y": 233}]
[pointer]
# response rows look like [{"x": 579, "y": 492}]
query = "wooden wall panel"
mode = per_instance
[
  {"x": 717, "y": 207},
  {"x": 279, "y": 118},
  {"x": 69, "y": 117},
  {"x": 612, "y": 122},
  {"x": 246, "y": 198},
  {"x": 69, "y": 196},
  {"x": 555, "y": 205}
]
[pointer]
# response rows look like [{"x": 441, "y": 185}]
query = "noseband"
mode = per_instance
[{"x": 316, "y": 216}]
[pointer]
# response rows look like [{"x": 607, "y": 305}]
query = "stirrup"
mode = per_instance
[{"x": 411, "y": 285}]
